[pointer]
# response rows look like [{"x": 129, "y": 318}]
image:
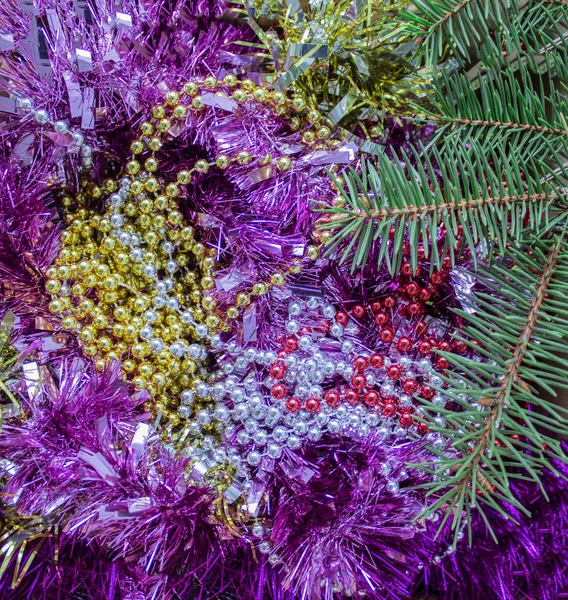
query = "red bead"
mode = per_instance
[
  {"x": 352, "y": 396},
  {"x": 332, "y": 398},
  {"x": 410, "y": 386},
  {"x": 421, "y": 328},
  {"x": 407, "y": 408},
  {"x": 459, "y": 347},
  {"x": 445, "y": 346},
  {"x": 377, "y": 360},
  {"x": 394, "y": 372},
  {"x": 360, "y": 363},
  {"x": 442, "y": 363},
  {"x": 376, "y": 307},
  {"x": 427, "y": 392},
  {"x": 404, "y": 344},
  {"x": 425, "y": 347},
  {"x": 358, "y": 311},
  {"x": 292, "y": 343},
  {"x": 381, "y": 318},
  {"x": 406, "y": 269},
  {"x": 437, "y": 278},
  {"x": 389, "y": 302},
  {"x": 371, "y": 398},
  {"x": 387, "y": 334},
  {"x": 342, "y": 317},
  {"x": 282, "y": 354},
  {"x": 313, "y": 405},
  {"x": 414, "y": 308},
  {"x": 277, "y": 370},
  {"x": 422, "y": 428},
  {"x": 403, "y": 310},
  {"x": 412, "y": 289},
  {"x": 406, "y": 419},
  {"x": 389, "y": 409},
  {"x": 421, "y": 254},
  {"x": 293, "y": 404},
  {"x": 278, "y": 391},
  {"x": 424, "y": 295},
  {"x": 358, "y": 381},
  {"x": 280, "y": 339},
  {"x": 447, "y": 262}
]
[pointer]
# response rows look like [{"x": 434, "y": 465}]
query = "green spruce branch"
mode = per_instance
[
  {"x": 485, "y": 195},
  {"x": 504, "y": 429}
]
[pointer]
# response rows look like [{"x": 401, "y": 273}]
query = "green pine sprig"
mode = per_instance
[
  {"x": 505, "y": 428},
  {"x": 489, "y": 195}
]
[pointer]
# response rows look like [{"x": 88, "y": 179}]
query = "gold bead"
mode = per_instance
[
  {"x": 129, "y": 365},
  {"x": 314, "y": 116},
  {"x": 232, "y": 312},
  {"x": 139, "y": 382},
  {"x": 111, "y": 185},
  {"x": 78, "y": 289},
  {"x": 161, "y": 202},
  {"x": 172, "y": 190},
  {"x": 207, "y": 282},
  {"x": 139, "y": 350},
  {"x": 230, "y": 80},
  {"x": 145, "y": 369},
  {"x": 202, "y": 166},
  {"x": 151, "y": 165},
  {"x": 338, "y": 183},
  {"x": 180, "y": 111},
  {"x": 210, "y": 82},
  {"x": 190, "y": 88},
  {"x": 146, "y": 206},
  {"x": 147, "y": 128},
  {"x": 137, "y": 147},
  {"x": 56, "y": 306},
  {"x": 69, "y": 322},
  {"x": 284, "y": 163},
  {"x": 249, "y": 85},
  {"x": 63, "y": 272},
  {"x": 243, "y": 299},
  {"x": 158, "y": 112},
  {"x": 51, "y": 273},
  {"x": 260, "y": 288},
  {"x": 196, "y": 103},
  {"x": 96, "y": 192},
  {"x": 130, "y": 332},
  {"x": 309, "y": 137},
  {"x": 52, "y": 286},
  {"x": 175, "y": 217},
  {"x": 164, "y": 125},
  {"x": 212, "y": 322},
  {"x": 87, "y": 334},
  {"x": 118, "y": 330},
  {"x": 295, "y": 269},
  {"x": 132, "y": 167},
  {"x": 158, "y": 380},
  {"x": 223, "y": 161},
  {"x": 324, "y": 132},
  {"x": 136, "y": 187},
  {"x": 239, "y": 95},
  {"x": 208, "y": 302},
  {"x": 299, "y": 103},
  {"x": 187, "y": 233},
  {"x": 312, "y": 252},
  {"x": 277, "y": 279},
  {"x": 100, "y": 321},
  {"x": 155, "y": 144},
  {"x": 278, "y": 98},
  {"x": 90, "y": 351},
  {"x": 104, "y": 343},
  {"x": 265, "y": 160},
  {"x": 260, "y": 95},
  {"x": 184, "y": 177},
  {"x": 172, "y": 98},
  {"x": 244, "y": 158}
]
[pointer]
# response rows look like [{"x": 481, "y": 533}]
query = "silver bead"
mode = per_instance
[
  {"x": 218, "y": 390},
  {"x": 243, "y": 437},
  {"x": 280, "y": 434},
  {"x": 329, "y": 311},
  {"x": 137, "y": 254},
  {"x": 291, "y": 361},
  {"x": 258, "y": 530},
  {"x": 177, "y": 349},
  {"x": 265, "y": 547},
  {"x": 251, "y": 425},
  {"x": 61, "y": 126},
  {"x": 274, "y": 451},
  {"x": 172, "y": 303},
  {"x": 347, "y": 346},
  {"x": 150, "y": 271},
  {"x": 25, "y": 103},
  {"x": 241, "y": 411},
  {"x": 295, "y": 308},
  {"x": 313, "y": 303},
  {"x": 146, "y": 332},
  {"x": 202, "y": 390},
  {"x": 116, "y": 221},
  {"x": 187, "y": 396},
  {"x": 336, "y": 330},
  {"x": 304, "y": 342},
  {"x": 86, "y": 151},
  {"x": 334, "y": 426},
  {"x": 41, "y": 116},
  {"x": 220, "y": 455},
  {"x": 195, "y": 351},
  {"x": 171, "y": 266},
  {"x": 222, "y": 414},
  {"x": 314, "y": 434},
  {"x": 260, "y": 437},
  {"x": 392, "y": 486},
  {"x": 201, "y": 330},
  {"x": 124, "y": 238},
  {"x": 204, "y": 416},
  {"x": 254, "y": 457},
  {"x": 300, "y": 428},
  {"x": 78, "y": 138},
  {"x": 156, "y": 345},
  {"x": 272, "y": 416},
  {"x": 187, "y": 316},
  {"x": 292, "y": 326},
  {"x": 293, "y": 441}
]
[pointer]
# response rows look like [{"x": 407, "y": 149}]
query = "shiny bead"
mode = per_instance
[
  {"x": 151, "y": 165},
  {"x": 210, "y": 82},
  {"x": 278, "y": 391},
  {"x": 164, "y": 125},
  {"x": 277, "y": 279},
  {"x": 137, "y": 147},
  {"x": 313, "y": 405},
  {"x": 158, "y": 112},
  {"x": 284, "y": 163},
  {"x": 172, "y": 190},
  {"x": 230, "y": 80},
  {"x": 244, "y": 158},
  {"x": 293, "y": 405},
  {"x": 191, "y": 88},
  {"x": 155, "y": 144},
  {"x": 260, "y": 95},
  {"x": 172, "y": 98},
  {"x": 147, "y": 128},
  {"x": 202, "y": 166},
  {"x": 133, "y": 167},
  {"x": 223, "y": 161}
]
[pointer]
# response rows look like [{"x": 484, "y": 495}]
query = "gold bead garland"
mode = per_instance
[{"x": 105, "y": 290}]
